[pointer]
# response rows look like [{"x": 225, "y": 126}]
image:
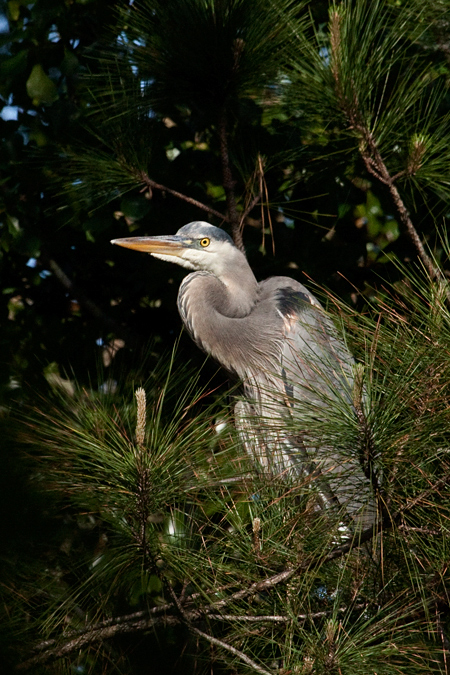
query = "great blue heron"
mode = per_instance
[{"x": 276, "y": 338}]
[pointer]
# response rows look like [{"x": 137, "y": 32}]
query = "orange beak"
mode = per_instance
[{"x": 170, "y": 245}]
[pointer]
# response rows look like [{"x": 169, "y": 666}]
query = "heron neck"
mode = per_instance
[
  {"x": 239, "y": 293},
  {"x": 216, "y": 313}
]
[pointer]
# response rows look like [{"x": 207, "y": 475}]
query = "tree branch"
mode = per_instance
[
  {"x": 146, "y": 619},
  {"x": 253, "y": 202},
  {"x": 376, "y": 166},
  {"x": 229, "y": 183},
  {"x": 243, "y": 657},
  {"x": 370, "y": 152},
  {"x": 91, "y": 636},
  {"x": 179, "y": 195},
  {"x": 141, "y": 621}
]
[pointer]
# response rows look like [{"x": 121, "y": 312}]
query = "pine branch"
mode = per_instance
[
  {"x": 280, "y": 618},
  {"x": 370, "y": 152},
  {"x": 387, "y": 521},
  {"x": 185, "y": 611},
  {"x": 179, "y": 195},
  {"x": 141, "y": 621},
  {"x": 375, "y": 165},
  {"x": 420, "y": 530},
  {"x": 186, "y": 620},
  {"x": 188, "y": 617},
  {"x": 255, "y": 588},
  {"x": 243, "y": 657},
  {"x": 91, "y": 636},
  {"x": 212, "y": 640}
]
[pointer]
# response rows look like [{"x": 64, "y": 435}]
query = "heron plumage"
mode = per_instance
[{"x": 276, "y": 338}]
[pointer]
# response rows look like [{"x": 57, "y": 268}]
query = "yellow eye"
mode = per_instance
[{"x": 204, "y": 242}]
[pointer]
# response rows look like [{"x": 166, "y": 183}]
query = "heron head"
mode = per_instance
[{"x": 196, "y": 246}]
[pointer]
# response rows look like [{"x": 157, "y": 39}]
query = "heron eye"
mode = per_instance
[{"x": 204, "y": 242}]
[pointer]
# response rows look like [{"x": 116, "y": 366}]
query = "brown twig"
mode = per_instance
[
  {"x": 179, "y": 195},
  {"x": 420, "y": 530},
  {"x": 92, "y": 636},
  {"x": 141, "y": 621},
  {"x": 252, "y": 200},
  {"x": 254, "y": 588},
  {"x": 146, "y": 619},
  {"x": 243, "y": 657},
  {"x": 250, "y": 206},
  {"x": 185, "y": 618},
  {"x": 280, "y": 618},
  {"x": 375, "y": 165}
]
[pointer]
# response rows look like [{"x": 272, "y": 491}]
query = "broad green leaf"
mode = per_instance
[
  {"x": 14, "y": 9},
  {"x": 40, "y": 87}
]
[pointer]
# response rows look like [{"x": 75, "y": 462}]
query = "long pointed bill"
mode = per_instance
[{"x": 169, "y": 245}]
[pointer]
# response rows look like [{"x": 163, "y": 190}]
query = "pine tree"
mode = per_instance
[{"x": 169, "y": 528}]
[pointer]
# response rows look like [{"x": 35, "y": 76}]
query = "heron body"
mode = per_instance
[{"x": 275, "y": 337}]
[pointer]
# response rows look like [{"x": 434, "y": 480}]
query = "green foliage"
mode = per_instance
[
  {"x": 364, "y": 79},
  {"x": 141, "y": 85},
  {"x": 172, "y": 510},
  {"x": 234, "y": 52},
  {"x": 141, "y": 99},
  {"x": 113, "y": 120},
  {"x": 40, "y": 88}
]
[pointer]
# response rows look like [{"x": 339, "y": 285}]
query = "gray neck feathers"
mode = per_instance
[
  {"x": 217, "y": 312},
  {"x": 236, "y": 290}
]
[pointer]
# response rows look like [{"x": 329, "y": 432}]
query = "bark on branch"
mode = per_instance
[
  {"x": 178, "y": 612},
  {"x": 371, "y": 155},
  {"x": 49, "y": 650},
  {"x": 229, "y": 183},
  {"x": 375, "y": 165},
  {"x": 153, "y": 185}
]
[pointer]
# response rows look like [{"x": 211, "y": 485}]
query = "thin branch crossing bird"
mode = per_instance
[{"x": 275, "y": 337}]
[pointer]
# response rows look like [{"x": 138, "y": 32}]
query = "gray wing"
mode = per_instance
[
  {"x": 316, "y": 366},
  {"x": 314, "y": 383},
  {"x": 318, "y": 375}
]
